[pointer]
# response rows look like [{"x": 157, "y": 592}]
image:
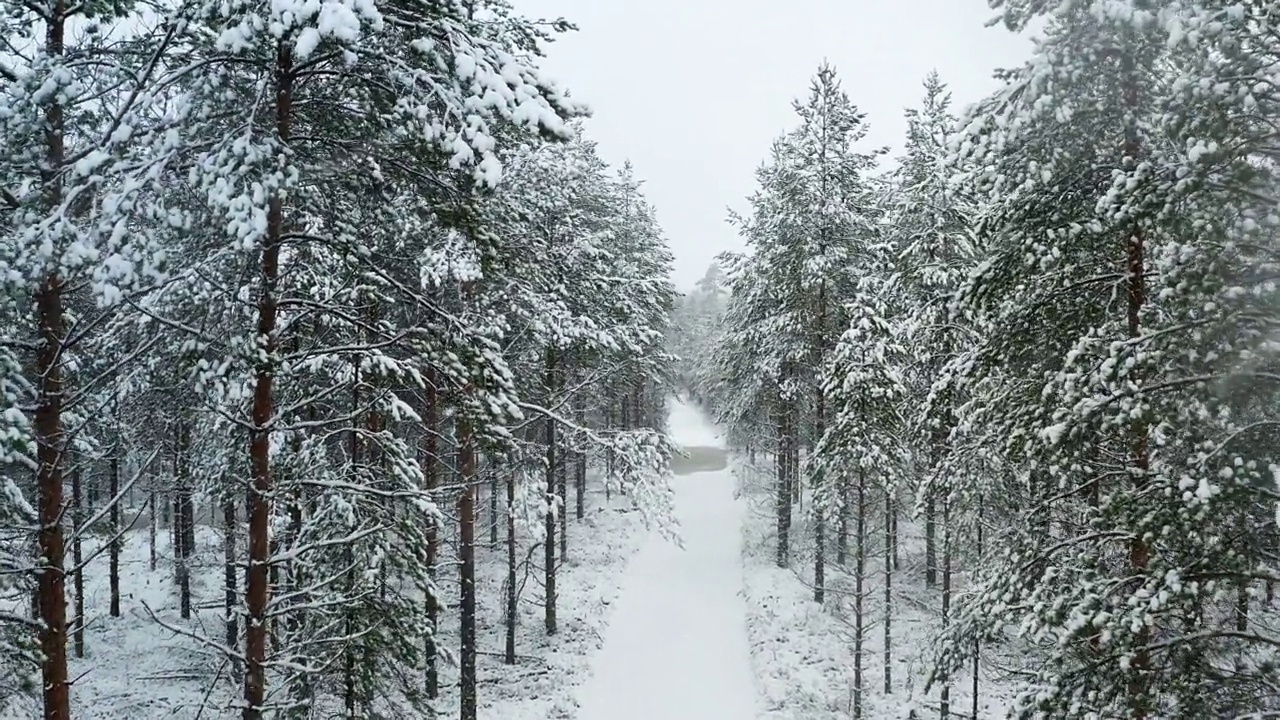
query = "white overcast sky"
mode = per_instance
[{"x": 694, "y": 91}]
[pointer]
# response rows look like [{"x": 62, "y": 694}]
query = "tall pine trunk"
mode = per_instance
[
  {"x": 820, "y": 511},
  {"x": 257, "y": 590},
  {"x": 49, "y": 438}
]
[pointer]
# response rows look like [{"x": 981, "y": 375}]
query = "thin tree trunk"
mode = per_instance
[
  {"x": 257, "y": 592},
  {"x": 793, "y": 458},
  {"x": 580, "y": 468},
  {"x": 113, "y": 521},
  {"x": 348, "y": 655},
  {"x": 783, "y": 503},
  {"x": 431, "y": 481},
  {"x": 182, "y": 515},
  {"x": 888, "y": 592},
  {"x": 819, "y": 512},
  {"x": 859, "y": 582},
  {"x": 77, "y": 557},
  {"x": 608, "y": 424},
  {"x": 977, "y": 642},
  {"x": 467, "y": 572},
  {"x": 562, "y": 493},
  {"x": 151, "y": 521},
  {"x": 580, "y": 484},
  {"x": 945, "y": 702},
  {"x": 1242, "y": 585},
  {"x": 930, "y": 542},
  {"x": 842, "y": 525},
  {"x": 893, "y": 534},
  {"x": 231, "y": 619},
  {"x": 493, "y": 509},
  {"x": 549, "y": 542},
  {"x": 175, "y": 532},
  {"x": 510, "y": 615}
]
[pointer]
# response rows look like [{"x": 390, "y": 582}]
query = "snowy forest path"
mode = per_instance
[{"x": 676, "y": 647}]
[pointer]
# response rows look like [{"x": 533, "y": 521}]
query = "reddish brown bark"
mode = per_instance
[
  {"x": 257, "y": 586},
  {"x": 51, "y": 590},
  {"x": 48, "y": 432}
]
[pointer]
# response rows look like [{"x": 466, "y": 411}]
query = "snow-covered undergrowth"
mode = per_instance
[
  {"x": 803, "y": 653},
  {"x": 137, "y": 668},
  {"x": 542, "y": 684}
]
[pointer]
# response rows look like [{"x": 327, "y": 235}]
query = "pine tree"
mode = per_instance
[
  {"x": 69, "y": 180},
  {"x": 1119, "y": 313},
  {"x": 814, "y": 211}
]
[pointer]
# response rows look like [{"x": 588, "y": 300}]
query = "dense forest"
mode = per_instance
[
  {"x": 338, "y": 370},
  {"x": 294, "y": 296},
  {"x": 1016, "y": 386}
]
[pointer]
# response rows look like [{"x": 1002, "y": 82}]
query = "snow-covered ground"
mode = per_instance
[
  {"x": 676, "y": 648},
  {"x": 136, "y": 669},
  {"x": 803, "y": 652},
  {"x": 678, "y": 640}
]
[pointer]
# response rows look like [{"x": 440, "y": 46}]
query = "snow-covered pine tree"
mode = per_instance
[
  {"x": 345, "y": 119},
  {"x": 82, "y": 144},
  {"x": 1123, "y": 310},
  {"x": 823, "y": 216},
  {"x": 862, "y": 449},
  {"x": 928, "y": 226}
]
